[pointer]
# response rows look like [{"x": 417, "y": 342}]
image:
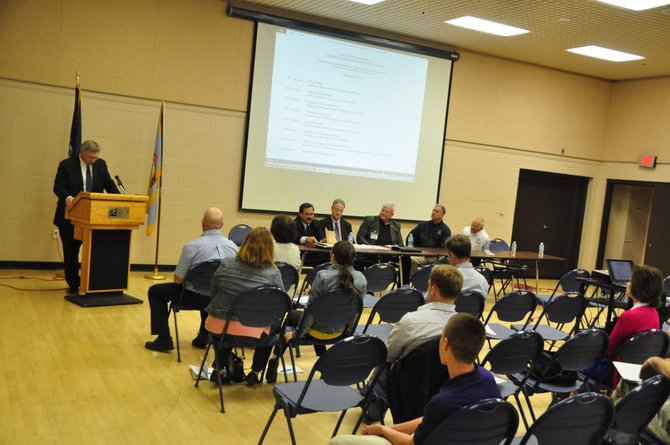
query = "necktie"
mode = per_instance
[
  {"x": 89, "y": 178},
  {"x": 336, "y": 225}
]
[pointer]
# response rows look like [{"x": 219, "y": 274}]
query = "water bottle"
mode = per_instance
[
  {"x": 540, "y": 251},
  {"x": 410, "y": 240},
  {"x": 350, "y": 238},
  {"x": 487, "y": 244},
  {"x": 513, "y": 248}
]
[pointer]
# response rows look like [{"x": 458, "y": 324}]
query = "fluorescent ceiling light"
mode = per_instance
[
  {"x": 486, "y": 26},
  {"x": 606, "y": 54},
  {"x": 368, "y": 2},
  {"x": 637, "y": 5}
]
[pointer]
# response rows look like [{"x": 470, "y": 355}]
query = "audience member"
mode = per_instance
[
  {"x": 211, "y": 245},
  {"x": 253, "y": 267},
  {"x": 416, "y": 328},
  {"x": 462, "y": 338},
  {"x": 458, "y": 247},
  {"x": 477, "y": 234},
  {"x": 84, "y": 173},
  {"x": 334, "y": 222},
  {"x": 284, "y": 232},
  {"x": 308, "y": 231},
  {"x": 380, "y": 230},
  {"x": 431, "y": 233}
]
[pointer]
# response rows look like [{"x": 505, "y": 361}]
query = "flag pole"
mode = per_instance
[{"x": 156, "y": 275}]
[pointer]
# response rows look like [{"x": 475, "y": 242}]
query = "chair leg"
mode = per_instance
[
  {"x": 295, "y": 374},
  {"x": 521, "y": 410},
  {"x": 267, "y": 425},
  {"x": 283, "y": 366},
  {"x": 290, "y": 426},
  {"x": 202, "y": 364},
  {"x": 176, "y": 335},
  {"x": 339, "y": 422},
  {"x": 217, "y": 370}
]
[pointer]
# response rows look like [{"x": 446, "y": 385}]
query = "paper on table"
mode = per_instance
[{"x": 628, "y": 371}]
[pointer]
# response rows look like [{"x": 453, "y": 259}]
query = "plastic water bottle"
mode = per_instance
[
  {"x": 410, "y": 240},
  {"x": 350, "y": 238},
  {"x": 540, "y": 251},
  {"x": 487, "y": 245},
  {"x": 513, "y": 249}
]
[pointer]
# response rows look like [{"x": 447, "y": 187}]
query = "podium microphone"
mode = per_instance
[{"x": 121, "y": 187}]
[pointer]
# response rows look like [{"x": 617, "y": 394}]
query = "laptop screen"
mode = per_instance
[{"x": 619, "y": 270}]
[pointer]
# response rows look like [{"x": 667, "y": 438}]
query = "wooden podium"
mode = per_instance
[{"x": 104, "y": 223}]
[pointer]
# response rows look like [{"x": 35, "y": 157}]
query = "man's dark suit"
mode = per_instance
[
  {"x": 345, "y": 226},
  {"x": 69, "y": 182},
  {"x": 313, "y": 229}
]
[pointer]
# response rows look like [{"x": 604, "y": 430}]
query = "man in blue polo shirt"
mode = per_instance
[{"x": 462, "y": 339}]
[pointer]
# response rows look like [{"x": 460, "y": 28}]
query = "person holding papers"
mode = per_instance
[
  {"x": 309, "y": 232},
  {"x": 334, "y": 222}
]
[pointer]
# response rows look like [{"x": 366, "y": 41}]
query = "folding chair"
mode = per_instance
[
  {"x": 488, "y": 275},
  {"x": 489, "y": 422},
  {"x": 566, "y": 308},
  {"x": 576, "y": 354},
  {"x": 332, "y": 309},
  {"x": 307, "y": 283},
  {"x": 419, "y": 280},
  {"x": 643, "y": 345},
  {"x": 471, "y": 302},
  {"x": 390, "y": 308},
  {"x": 513, "y": 356},
  {"x": 349, "y": 362},
  {"x": 261, "y": 307},
  {"x": 514, "y": 307},
  {"x": 506, "y": 271},
  {"x": 238, "y": 232},
  {"x": 570, "y": 282},
  {"x": 579, "y": 420},
  {"x": 200, "y": 278},
  {"x": 636, "y": 409},
  {"x": 379, "y": 277},
  {"x": 289, "y": 276}
]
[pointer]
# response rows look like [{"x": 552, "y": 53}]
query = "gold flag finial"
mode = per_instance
[{"x": 77, "y": 77}]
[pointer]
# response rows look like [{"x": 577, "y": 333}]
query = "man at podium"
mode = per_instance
[{"x": 86, "y": 172}]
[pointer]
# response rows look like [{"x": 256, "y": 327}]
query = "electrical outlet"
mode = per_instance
[{"x": 54, "y": 234}]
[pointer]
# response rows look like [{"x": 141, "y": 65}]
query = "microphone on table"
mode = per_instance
[{"x": 121, "y": 187}]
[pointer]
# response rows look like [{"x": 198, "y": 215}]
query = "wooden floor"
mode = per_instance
[{"x": 71, "y": 375}]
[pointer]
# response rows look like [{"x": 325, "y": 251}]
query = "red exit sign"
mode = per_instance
[{"x": 648, "y": 161}]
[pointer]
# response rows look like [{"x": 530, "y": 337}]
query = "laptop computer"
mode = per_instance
[{"x": 619, "y": 271}]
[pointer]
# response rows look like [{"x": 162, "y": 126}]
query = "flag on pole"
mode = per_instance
[
  {"x": 75, "y": 130},
  {"x": 155, "y": 177}
]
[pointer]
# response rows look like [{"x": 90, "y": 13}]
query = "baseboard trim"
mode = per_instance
[{"x": 53, "y": 265}]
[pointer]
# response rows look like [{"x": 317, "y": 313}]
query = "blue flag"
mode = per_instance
[
  {"x": 153, "y": 204},
  {"x": 75, "y": 130}
]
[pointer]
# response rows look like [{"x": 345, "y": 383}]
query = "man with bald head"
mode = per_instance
[
  {"x": 211, "y": 245},
  {"x": 477, "y": 234}
]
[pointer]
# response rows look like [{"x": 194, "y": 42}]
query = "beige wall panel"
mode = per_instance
[
  {"x": 638, "y": 121},
  {"x": 513, "y": 105}
]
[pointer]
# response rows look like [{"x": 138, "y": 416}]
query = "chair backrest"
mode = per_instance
[
  {"x": 414, "y": 379},
  {"x": 419, "y": 279},
  {"x": 289, "y": 274},
  {"x": 581, "y": 350},
  {"x": 311, "y": 274},
  {"x": 471, "y": 302},
  {"x": 636, "y": 409},
  {"x": 570, "y": 283},
  {"x": 498, "y": 245},
  {"x": 350, "y": 360},
  {"x": 564, "y": 308},
  {"x": 643, "y": 345},
  {"x": 579, "y": 420},
  {"x": 486, "y": 273},
  {"x": 513, "y": 354},
  {"x": 489, "y": 422},
  {"x": 379, "y": 277},
  {"x": 334, "y": 309},
  {"x": 515, "y": 306},
  {"x": 392, "y": 306},
  {"x": 238, "y": 232},
  {"x": 200, "y": 276},
  {"x": 261, "y": 307}
]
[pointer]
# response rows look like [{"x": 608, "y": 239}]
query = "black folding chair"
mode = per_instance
[
  {"x": 390, "y": 308},
  {"x": 238, "y": 232},
  {"x": 513, "y": 356},
  {"x": 334, "y": 309},
  {"x": 419, "y": 280},
  {"x": 379, "y": 276},
  {"x": 471, "y": 302},
  {"x": 579, "y": 420},
  {"x": 636, "y": 409},
  {"x": 261, "y": 307},
  {"x": 643, "y": 345},
  {"x": 489, "y": 422},
  {"x": 517, "y": 306},
  {"x": 200, "y": 279},
  {"x": 488, "y": 275},
  {"x": 307, "y": 283},
  {"x": 564, "y": 309},
  {"x": 349, "y": 362},
  {"x": 570, "y": 282},
  {"x": 289, "y": 276}
]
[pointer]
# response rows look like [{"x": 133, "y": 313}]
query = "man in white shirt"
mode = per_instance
[
  {"x": 458, "y": 247},
  {"x": 477, "y": 234}
]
